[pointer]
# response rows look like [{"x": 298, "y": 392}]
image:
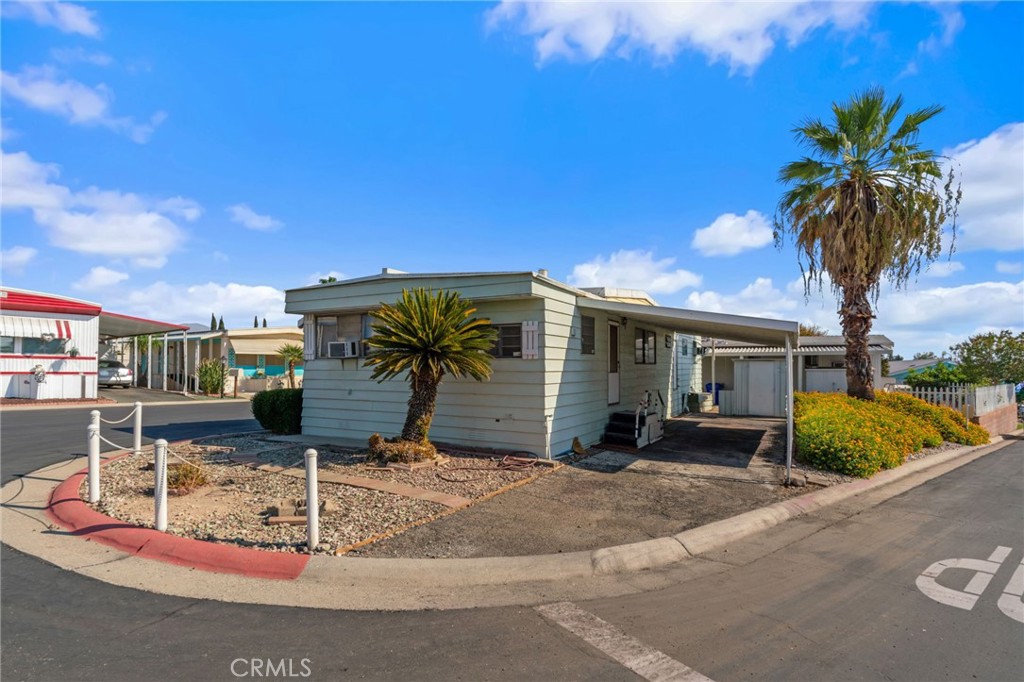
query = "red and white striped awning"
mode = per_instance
[{"x": 34, "y": 327}]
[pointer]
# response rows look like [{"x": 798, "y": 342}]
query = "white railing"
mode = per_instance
[{"x": 970, "y": 400}]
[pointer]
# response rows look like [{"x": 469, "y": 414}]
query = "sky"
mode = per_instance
[{"x": 173, "y": 160}]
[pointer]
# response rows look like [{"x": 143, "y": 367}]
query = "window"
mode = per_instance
[
  {"x": 34, "y": 346},
  {"x": 326, "y": 332},
  {"x": 509, "y": 343},
  {"x": 587, "y": 335},
  {"x": 645, "y": 347},
  {"x": 368, "y": 321},
  {"x": 6, "y": 344}
]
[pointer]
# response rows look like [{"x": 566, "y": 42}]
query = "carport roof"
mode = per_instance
[
  {"x": 115, "y": 325},
  {"x": 716, "y": 325}
]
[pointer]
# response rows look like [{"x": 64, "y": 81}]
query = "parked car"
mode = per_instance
[{"x": 114, "y": 373}]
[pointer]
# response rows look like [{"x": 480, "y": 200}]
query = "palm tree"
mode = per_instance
[
  {"x": 428, "y": 335},
  {"x": 292, "y": 354},
  {"x": 867, "y": 203}
]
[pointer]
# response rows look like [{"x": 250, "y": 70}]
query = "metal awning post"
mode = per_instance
[
  {"x": 789, "y": 410},
  {"x": 149, "y": 361},
  {"x": 135, "y": 361},
  {"x": 164, "y": 363}
]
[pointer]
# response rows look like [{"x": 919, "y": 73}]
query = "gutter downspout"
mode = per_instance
[
  {"x": 789, "y": 410},
  {"x": 714, "y": 343}
]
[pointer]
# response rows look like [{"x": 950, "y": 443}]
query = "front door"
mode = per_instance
[{"x": 613, "y": 363}]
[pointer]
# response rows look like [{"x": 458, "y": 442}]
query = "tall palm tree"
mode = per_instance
[
  {"x": 292, "y": 354},
  {"x": 428, "y": 335},
  {"x": 866, "y": 204}
]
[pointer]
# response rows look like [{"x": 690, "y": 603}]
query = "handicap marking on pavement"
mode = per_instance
[
  {"x": 1010, "y": 602},
  {"x": 646, "y": 662}
]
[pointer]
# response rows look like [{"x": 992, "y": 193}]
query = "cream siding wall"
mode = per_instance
[{"x": 66, "y": 377}]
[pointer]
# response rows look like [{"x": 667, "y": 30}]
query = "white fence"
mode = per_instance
[{"x": 970, "y": 400}]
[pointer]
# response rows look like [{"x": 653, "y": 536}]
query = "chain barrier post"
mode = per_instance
[
  {"x": 93, "y": 450},
  {"x": 160, "y": 484},
  {"x": 312, "y": 502},
  {"x": 137, "y": 443}
]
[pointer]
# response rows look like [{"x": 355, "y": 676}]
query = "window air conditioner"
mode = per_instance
[{"x": 343, "y": 348}]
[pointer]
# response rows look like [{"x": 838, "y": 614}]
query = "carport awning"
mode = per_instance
[
  {"x": 260, "y": 346},
  {"x": 716, "y": 325},
  {"x": 33, "y": 327},
  {"x": 116, "y": 326}
]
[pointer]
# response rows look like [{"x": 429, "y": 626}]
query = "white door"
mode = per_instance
[
  {"x": 613, "y": 363},
  {"x": 761, "y": 388}
]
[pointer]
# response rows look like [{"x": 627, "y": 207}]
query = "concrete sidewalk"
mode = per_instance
[{"x": 188, "y": 568}]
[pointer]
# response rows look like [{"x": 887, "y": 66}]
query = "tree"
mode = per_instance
[
  {"x": 991, "y": 358},
  {"x": 885, "y": 367},
  {"x": 264, "y": 322},
  {"x": 213, "y": 322},
  {"x": 220, "y": 325},
  {"x": 328, "y": 280},
  {"x": 255, "y": 321},
  {"x": 867, "y": 204},
  {"x": 925, "y": 355},
  {"x": 812, "y": 330},
  {"x": 897, "y": 358},
  {"x": 427, "y": 335},
  {"x": 292, "y": 354},
  {"x": 937, "y": 375}
]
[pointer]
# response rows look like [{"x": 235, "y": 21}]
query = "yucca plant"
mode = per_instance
[
  {"x": 427, "y": 335},
  {"x": 867, "y": 203},
  {"x": 293, "y": 354}
]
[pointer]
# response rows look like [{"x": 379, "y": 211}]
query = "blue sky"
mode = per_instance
[{"x": 176, "y": 159}]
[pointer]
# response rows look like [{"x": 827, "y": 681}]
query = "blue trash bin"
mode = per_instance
[{"x": 718, "y": 387}]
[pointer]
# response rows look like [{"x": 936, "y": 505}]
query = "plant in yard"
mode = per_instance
[
  {"x": 992, "y": 358},
  {"x": 211, "y": 376},
  {"x": 426, "y": 335},
  {"x": 936, "y": 376},
  {"x": 867, "y": 204},
  {"x": 184, "y": 477},
  {"x": 279, "y": 410},
  {"x": 292, "y": 354}
]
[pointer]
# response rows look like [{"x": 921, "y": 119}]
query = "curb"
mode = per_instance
[
  {"x": 67, "y": 509},
  {"x": 71, "y": 512}
]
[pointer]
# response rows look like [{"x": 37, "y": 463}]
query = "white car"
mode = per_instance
[{"x": 113, "y": 373}]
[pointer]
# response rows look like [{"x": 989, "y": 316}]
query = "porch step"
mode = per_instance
[
  {"x": 621, "y": 429},
  {"x": 627, "y": 418},
  {"x": 619, "y": 439}
]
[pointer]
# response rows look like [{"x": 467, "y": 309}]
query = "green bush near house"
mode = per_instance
[
  {"x": 279, "y": 410},
  {"x": 856, "y": 437},
  {"x": 948, "y": 421},
  {"x": 211, "y": 376}
]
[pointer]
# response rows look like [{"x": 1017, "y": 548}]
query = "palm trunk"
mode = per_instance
[
  {"x": 291, "y": 374},
  {"x": 421, "y": 409},
  {"x": 856, "y": 316}
]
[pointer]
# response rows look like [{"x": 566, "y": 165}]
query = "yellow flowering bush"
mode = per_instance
[
  {"x": 948, "y": 421},
  {"x": 856, "y": 437}
]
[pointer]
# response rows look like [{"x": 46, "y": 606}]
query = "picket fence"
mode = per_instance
[{"x": 969, "y": 400}]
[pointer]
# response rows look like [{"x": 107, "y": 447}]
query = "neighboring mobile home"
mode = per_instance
[
  {"x": 566, "y": 359},
  {"x": 752, "y": 377}
]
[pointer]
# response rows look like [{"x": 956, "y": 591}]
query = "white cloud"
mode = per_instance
[
  {"x": 94, "y": 221},
  {"x": 63, "y": 16},
  {"x": 997, "y": 304},
  {"x": 943, "y": 268},
  {"x": 952, "y": 22},
  {"x": 633, "y": 270},
  {"x": 992, "y": 209},
  {"x": 317, "y": 276},
  {"x": 731, "y": 234},
  {"x": 245, "y": 216},
  {"x": 16, "y": 258},
  {"x": 741, "y": 34},
  {"x": 43, "y": 88},
  {"x": 72, "y": 55},
  {"x": 758, "y": 299},
  {"x": 237, "y": 303},
  {"x": 1009, "y": 268},
  {"x": 100, "y": 278}
]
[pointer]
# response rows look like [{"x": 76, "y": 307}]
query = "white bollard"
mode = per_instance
[
  {"x": 94, "y": 456},
  {"x": 137, "y": 442},
  {"x": 160, "y": 484},
  {"x": 312, "y": 502}
]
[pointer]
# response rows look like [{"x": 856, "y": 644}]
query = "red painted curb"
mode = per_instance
[{"x": 68, "y": 510}]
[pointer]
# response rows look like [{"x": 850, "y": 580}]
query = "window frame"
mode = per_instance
[
  {"x": 498, "y": 350},
  {"x": 645, "y": 346},
  {"x": 588, "y": 340}
]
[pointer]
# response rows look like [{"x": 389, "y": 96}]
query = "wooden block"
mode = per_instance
[{"x": 287, "y": 520}]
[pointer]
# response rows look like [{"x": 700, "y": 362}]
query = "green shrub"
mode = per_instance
[
  {"x": 856, "y": 437},
  {"x": 947, "y": 421},
  {"x": 383, "y": 450},
  {"x": 211, "y": 376},
  {"x": 279, "y": 410}
]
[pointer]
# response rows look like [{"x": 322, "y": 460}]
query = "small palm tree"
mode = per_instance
[
  {"x": 428, "y": 335},
  {"x": 867, "y": 203},
  {"x": 292, "y": 354}
]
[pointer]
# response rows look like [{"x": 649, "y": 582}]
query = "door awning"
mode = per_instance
[
  {"x": 257, "y": 346},
  {"x": 34, "y": 327},
  {"x": 698, "y": 322},
  {"x": 116, "y": 326}
]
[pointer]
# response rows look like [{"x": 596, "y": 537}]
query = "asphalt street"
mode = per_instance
[
  {"x": 30, "y": 439},
  {"x": 840, "y": 604}
]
